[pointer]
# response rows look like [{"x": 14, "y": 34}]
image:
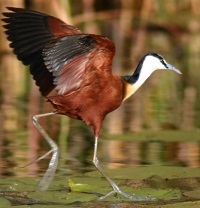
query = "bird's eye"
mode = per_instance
[{"x": 163, "y": 62}]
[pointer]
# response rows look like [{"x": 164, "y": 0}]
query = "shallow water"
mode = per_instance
[
  {"x": 157, "y": 148},
  {"x": 160, "y": 164}
]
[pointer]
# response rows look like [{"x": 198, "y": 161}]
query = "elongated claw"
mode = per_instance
[
  {"x": 116, "y": 189},
  {"x": 127, "y": 196}
]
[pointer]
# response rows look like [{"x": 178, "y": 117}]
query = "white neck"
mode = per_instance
[
  {"x": 149, "y": 64},
  {"x": 146, "y": 71},
  {"x": 132, "y": 88}
]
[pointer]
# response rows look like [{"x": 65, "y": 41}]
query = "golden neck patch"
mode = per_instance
[{"x": 129, "y": 89}]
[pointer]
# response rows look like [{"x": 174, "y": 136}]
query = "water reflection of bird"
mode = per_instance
[{"x": 73, "y": 71}]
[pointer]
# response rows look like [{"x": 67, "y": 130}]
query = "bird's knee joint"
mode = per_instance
[
  {"x": 95, "y": 161},
  {"x": 34, "y": 119},
  {"x": 55, "y": 149}
]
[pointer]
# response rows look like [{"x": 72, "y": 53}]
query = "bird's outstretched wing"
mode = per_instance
[
  {"x": 59, "y": 55},
  {"x": 72, "y": 59},
  {"x": 29, "y": 32}
]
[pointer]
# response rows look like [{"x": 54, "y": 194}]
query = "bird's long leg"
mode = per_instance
[
  {"x": 50, "y": 173},
  {"x": 116, "y": 189}
]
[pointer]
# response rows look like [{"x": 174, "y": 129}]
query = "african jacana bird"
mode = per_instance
[{"x": 73, "y": 71}]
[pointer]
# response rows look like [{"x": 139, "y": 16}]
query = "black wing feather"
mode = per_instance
[{"x": 29, "y": 32}]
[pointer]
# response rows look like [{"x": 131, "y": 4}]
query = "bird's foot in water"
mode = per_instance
[{"x": 117, "y": 191}]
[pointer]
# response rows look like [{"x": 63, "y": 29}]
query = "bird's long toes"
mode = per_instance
[
  {"x": 118, "y": 192},
  {"x": 107, "y": 195}
]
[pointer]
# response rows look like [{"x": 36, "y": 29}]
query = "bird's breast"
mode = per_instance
[
  {"x": 97, "y": 99},
  {"x": 129, "y": 89}
]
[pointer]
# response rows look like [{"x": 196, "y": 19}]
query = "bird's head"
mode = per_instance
[
  {"x": 154, "y": 61},
  {"x": 147, "y": 65}
]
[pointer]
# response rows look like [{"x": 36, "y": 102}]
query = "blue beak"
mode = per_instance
[{"x": 170, "y": 67}]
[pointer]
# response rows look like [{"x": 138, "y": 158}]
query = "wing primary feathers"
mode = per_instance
[
  {"x": 60, "y": 56},
  {"x": 29, "y": 33}
]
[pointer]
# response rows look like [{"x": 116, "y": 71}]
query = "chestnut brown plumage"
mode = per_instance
[{"x": 73, "y": 71}]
